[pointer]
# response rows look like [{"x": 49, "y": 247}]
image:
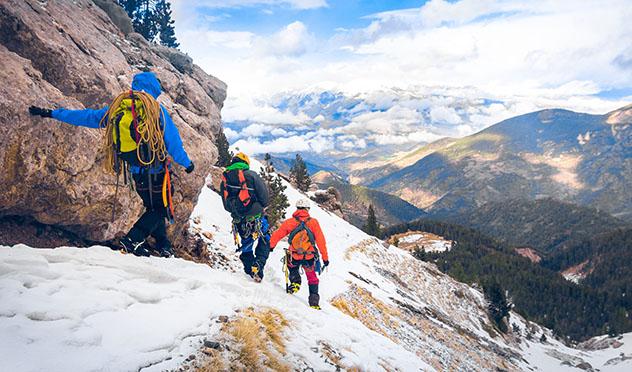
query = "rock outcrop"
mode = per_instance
[
  {"x": 330, "y": 200},
  {"x": 82, "y": 54}
]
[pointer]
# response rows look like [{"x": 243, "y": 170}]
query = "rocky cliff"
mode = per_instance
[{"x": 78, "y": 54}]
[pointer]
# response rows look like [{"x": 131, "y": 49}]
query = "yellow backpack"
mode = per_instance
[{"x": 134, "y": 132}]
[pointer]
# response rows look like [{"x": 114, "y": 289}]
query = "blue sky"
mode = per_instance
[{"x": 268, "y": 18}]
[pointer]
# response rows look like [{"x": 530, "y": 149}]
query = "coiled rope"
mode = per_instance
[{"x": 147, "y": 125}]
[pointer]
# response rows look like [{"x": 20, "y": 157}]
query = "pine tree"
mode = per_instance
[
  {"x": 224, "y": 155},
  {"x": 299, "y": 175},
  {"x": 144, "y": 20},
  {"x": 498, "y": 306},
  {"x": 372, "y": 227},
  {"x": 278, "y": 200},
  {"x": 130, "y": 6},
  {"x": 164, "y": 23},
  {"x": 152, "y": 19}
]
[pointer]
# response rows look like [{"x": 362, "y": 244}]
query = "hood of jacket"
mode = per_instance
[
  {"x": 237, "y": 165},
  {"x": 301, "y": 214},
  {"x": 148, "y": 83}
]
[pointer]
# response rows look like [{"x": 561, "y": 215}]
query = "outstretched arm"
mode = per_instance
[
  {"x": 320, "y": 241},
  {"x": 82, "y": 118},
  {"x": 173, "y": 141},
  {"x": 283, "y": 231}
]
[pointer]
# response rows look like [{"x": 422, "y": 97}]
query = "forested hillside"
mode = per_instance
[
  {"x": 543, "y": 225},
  {"x": 539, "y": 293}
]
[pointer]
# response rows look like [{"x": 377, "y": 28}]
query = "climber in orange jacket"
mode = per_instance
[{"x": 305, "y": 235}]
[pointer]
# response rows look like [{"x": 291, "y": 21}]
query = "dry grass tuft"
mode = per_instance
[
  {"x": 360, "y": 247},
  {"x": 255, "y": 340},
  {"x": 373, "y": 313},
  {"x": 213, "y": 362}
]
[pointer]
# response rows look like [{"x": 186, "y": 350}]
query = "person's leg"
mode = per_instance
[
  {"x": 312, "y": 281},
  {"x": 159, "y": 231},
  {"x": 134, "y": 241},
  {"x": 247, "y": 256},
  {"x": 153, "y": 217},
  {"x": 294, "y": 277},
  {"x": 262, "y": 252},
  {"x": 163, "y": 245}
]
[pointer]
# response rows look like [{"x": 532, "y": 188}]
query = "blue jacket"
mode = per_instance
[{"x": 146, "y": 82}]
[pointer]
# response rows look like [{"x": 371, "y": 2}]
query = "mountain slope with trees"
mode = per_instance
[
  {"x": 539, "y": 293},
  {"x": 544, "y": 225},
  {"x": 389, "y": 209},
  {"x": 573, "y": 157}
]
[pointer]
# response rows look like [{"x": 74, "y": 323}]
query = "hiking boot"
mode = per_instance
[
  {"x": 165, "y": 252},
  {"x": 293, "y": 288},
  {"x": 257, "y": 275},
  {"x": 313, "y": 300},
  {"x": 136, "y": 248}
]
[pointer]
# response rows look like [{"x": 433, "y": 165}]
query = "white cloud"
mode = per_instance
[
  {"x": 292, "y": 40},
  {"x": 260, "y": 112},
  {"x": 254, "y": 146},
  {"x": 396, "y": 118},
  {"x": 255, "y": 130},
  {"x": 231, "y": 135},
  {"x": 279, "y": 132},
  {"x": 445, "y": 114}
]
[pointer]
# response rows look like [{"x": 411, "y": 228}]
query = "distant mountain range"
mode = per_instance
[
  {"x": 578, "y": 158},
  {"x": 282, "y": 163}
]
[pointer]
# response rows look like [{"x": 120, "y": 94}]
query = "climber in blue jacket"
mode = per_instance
[{"x": 130, "y": 122}]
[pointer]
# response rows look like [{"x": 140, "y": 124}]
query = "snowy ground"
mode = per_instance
[
  {"x": 71, "y": 309},
  {"x": 423, "y": 240}
]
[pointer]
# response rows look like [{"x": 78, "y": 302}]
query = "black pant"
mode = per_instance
[{"x": 152, "y": 222}]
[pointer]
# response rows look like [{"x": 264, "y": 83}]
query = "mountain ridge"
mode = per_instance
[{"x": 577, "y": 158}]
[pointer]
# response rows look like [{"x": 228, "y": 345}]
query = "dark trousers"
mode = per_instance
[
  {"x": 152, "y": 222},
  {"x": 260, "y": 254},
  {"x": 309, "y": 266}
]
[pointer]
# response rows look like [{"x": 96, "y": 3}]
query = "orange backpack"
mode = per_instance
[
  {"x": 237, "y": 196},
  {"x": 302, "y": 242}
]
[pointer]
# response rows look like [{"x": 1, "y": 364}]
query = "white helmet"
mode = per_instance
[{"x": 302, "y": 203}]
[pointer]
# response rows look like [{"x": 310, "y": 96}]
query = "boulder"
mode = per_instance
[
  {"x": 71, "y": 54},
  {"x": 330, "y": 200}
]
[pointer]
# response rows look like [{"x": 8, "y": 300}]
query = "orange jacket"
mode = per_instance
[{"x": 290, "y": 224}]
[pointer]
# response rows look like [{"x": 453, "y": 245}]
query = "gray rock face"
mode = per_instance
[
  {"x": 117, "y": 15},
  {"x": 71, "y": 54}
]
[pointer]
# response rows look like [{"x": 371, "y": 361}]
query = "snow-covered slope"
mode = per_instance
[{"x": 72, "y": 309}]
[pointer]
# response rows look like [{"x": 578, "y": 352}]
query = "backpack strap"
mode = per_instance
[
  {"x": 310, "y": 235},
  {"x": 244, "y": 194},
  {"x": 134, "y": 116},
  {"x": 225, "y": 181}
]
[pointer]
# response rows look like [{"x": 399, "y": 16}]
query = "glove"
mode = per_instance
[
  {"x": 190, "y": 168},
  {"x": 325, "y": 264},
  {"x": 43, "y": 112},
  {"x": 272, "y": 249}
]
